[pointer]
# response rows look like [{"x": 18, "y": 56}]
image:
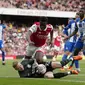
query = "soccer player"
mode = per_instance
[
  {"x": 37, "y": 35},
  {"x": 77, "y": 19},
  {"x": 57, "y": 42},
  {"x": 2, "y": 27},
  {"x": 70, "y": 43},
  {"x": 29, "y": 68},
  {"x": 80, "y": 28}
]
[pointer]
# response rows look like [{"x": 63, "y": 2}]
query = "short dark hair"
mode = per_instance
[
  {"x": 81, "y": 14},
  {"x": 43, "y": 19}
]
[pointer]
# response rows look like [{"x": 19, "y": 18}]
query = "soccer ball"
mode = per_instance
[{"x": 41, "y": 68}]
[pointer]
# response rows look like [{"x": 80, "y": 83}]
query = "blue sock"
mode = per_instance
[
  {"x": 64, "y": 57},
  {"x": 3, "y": 56},
  {"x": 76, "y": 63}
]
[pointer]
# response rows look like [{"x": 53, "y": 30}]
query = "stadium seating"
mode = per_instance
[{"x": 60, "y": 5}]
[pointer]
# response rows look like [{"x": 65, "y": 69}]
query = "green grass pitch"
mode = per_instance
[{"x": 8, "y": 76}]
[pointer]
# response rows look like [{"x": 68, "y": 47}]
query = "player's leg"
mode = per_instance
[
  {"x": 78, "y": 47},
  {"x": 60, "y": 64},
  {"x": 68, "y": 50},
  {"x": 3, "y": 52},
  {"x": 60, "y": 75},
  {"x": 56, "y": 64},
  {"x": 50, "y": 74},
  {"x": 39, "y": 55},
  {"x": 30, "y": 50},
  {"x": 56, "y": 51},
  {"x": 3, "y": 56}
]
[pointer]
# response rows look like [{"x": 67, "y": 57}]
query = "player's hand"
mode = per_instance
[{"x": 65, "y": 38}]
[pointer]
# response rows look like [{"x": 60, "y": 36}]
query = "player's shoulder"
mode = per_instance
[
  {"x": 77, "y": 19},
  {"x": 37, "y": 23}
]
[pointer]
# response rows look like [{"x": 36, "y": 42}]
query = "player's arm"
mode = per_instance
[
  {"x": 64, "y": 33},
  {"x": 51, "y": 37},
  {"x": 28, "y": 36},
  {"x": 31, "y": 30},
  {"x": 74, "y": 32}
]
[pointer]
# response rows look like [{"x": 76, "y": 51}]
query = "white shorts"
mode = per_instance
[{"x": 30, "y": 50}]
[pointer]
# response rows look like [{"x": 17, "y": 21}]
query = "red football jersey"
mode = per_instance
[
  {"x": 39, "y": 36},
  {"x": 57, "y": 41}
]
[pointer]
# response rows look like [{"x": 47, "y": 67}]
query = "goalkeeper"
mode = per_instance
[{"x": 29, "y": 68}]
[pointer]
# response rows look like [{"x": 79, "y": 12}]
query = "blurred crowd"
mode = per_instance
[
  {"x": 14, "y": 39},
  {"x": 60, "y": 5}
]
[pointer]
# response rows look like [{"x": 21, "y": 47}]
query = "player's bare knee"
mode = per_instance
[
  {"x": 49, "y": 75},
  {"x": 56, "y": 65},
  {"x": 39, "y": 57}
]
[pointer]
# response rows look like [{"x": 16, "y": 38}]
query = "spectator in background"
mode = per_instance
[
  {"x": 61, "y": 5},
  {"x": 57, "y": 42}
]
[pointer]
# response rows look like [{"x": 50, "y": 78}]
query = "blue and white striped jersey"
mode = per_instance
[
  {"x": 81, "y": 28},
  {"x": 1, "y": 31},
  {"x": 69, "y": 29}
]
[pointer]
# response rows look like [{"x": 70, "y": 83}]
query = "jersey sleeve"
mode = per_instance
[
  {"x": 51, "y": 27},
  {"x": 33, "y": 28},
  {"x": 68, "y": 26},
  {"x": 65, "y": 31}
]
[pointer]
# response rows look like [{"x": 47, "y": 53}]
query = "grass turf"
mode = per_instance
[{"x": 8, "y": 76}]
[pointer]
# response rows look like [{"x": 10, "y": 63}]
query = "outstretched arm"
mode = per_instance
[{"x": 75, "y": 31}]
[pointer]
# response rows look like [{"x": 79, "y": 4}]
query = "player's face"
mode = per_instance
[
  {"x": 19, "y": 67},
  {"x": 43, "y": 24},
  {"x": 81, "y": 14}
]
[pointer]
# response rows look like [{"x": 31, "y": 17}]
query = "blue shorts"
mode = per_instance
[
  {"x": 79, "y": 44},
  {"x": 1, "y": 44},
  {"x": 69, "y": 46}
]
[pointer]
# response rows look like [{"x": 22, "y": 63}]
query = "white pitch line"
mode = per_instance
[
  {"x": 80, "y": 81},
  {"x": 73, "y": 81}
]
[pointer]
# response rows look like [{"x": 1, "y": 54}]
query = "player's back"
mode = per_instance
[{"x": 29, "y": 68}]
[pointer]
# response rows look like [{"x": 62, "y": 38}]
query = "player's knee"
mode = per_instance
[
  {"x": 49, "y": 75},
  {"x": 39, "y": 57},
  {"x": 56, "y": 65}
]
